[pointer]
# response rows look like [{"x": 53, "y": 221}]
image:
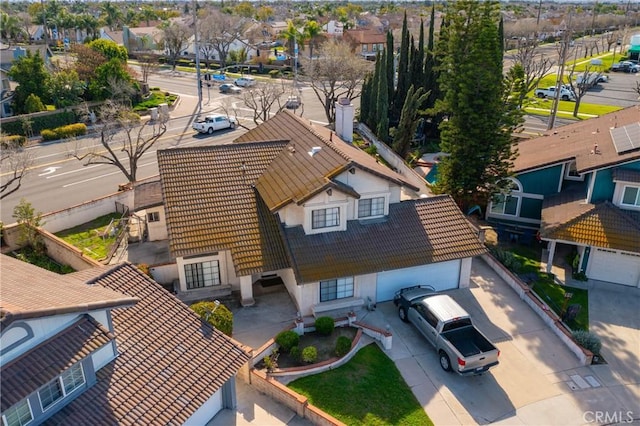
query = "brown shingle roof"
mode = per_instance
[
  {"x": 577, "y": 141},
  {"x": 366, "y": 35},
  {"x": 626, "y": 175},
  {"x": 211, "y": 204},
  {"x": 29, "y": 292},
  {"x": 602, "y": 225},
  {"x": 28, "y": 372},
  {"x": 169, "y": 363},
  {"x": 416, "y": 232},
  {"x": 294, "y": 175}
]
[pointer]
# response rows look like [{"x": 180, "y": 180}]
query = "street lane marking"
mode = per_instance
[
  {"x": 102, "y": 176},
  {"x": 49, "y": 170}
]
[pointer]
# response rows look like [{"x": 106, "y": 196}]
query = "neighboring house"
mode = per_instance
[
  {"x": 292, "y": 203},
  {"x": 142, "y": 38},
  {"x": 634, "y": 47},
  {"x": 7, "y": 56},
  {"x": 6, "y": 95},
  {"x": 233, "y": 46},
  {"x": 581, "y": 186},
  {"x": 114, "y": 36},
  {"x": 366, "y": 42},
  {"x": 107, "y": 346},
  {"x": 333, "y": 28}
]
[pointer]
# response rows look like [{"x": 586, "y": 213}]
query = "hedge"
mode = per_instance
[
  {"x": 39, "y": 123},
  {"x": 64, "y": 132},
  {"x": 12, "y": 141}
]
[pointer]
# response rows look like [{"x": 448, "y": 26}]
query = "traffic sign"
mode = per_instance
[{"x": 219, "y": 77}]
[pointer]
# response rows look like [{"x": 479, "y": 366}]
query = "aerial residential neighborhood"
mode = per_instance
[{"x": 297, "y": 213}]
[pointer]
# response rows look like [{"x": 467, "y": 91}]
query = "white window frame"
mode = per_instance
[
  {"x": 364, "y": 47},
  {"x": 637, "y": 201},
  {"x": 60, "y": 381},
  {"x": 325, "y": 210},
  {"x": 15, "y": 408},
  {"x": 515, "y": 193},
  {"x": 371, "y": 200},
  {"x": 569, "y": 167},
  {"x": 153, "y": 217},
  {"x": 347, "y": 284},
  {"x": 209, "y": 280}
]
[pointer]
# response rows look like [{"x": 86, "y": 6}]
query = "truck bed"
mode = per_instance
[{"x": 468, "y": 341}]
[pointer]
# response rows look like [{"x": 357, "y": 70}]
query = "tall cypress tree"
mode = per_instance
[
  {"x": 408, "y": 124},
  {"x": 365, "y": 96},
  {"x": 390, "y": 66},
  {"x": 477, "y": 134},
  {"x": 431, "y": 78},
  {"x": 403, "y": 73},
  {"x": 501, "y": 34},
  {"x": 417, "y": 60},
  {"x": 382, "y": 131},
  {"x": 373, "y": 96}
]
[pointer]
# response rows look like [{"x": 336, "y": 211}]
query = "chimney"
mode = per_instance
[{"x": 345, "y": 113}]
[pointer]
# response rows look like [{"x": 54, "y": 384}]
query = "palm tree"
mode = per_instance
[
  {"x": 10, "y": 27},
  {"x": 292, "y": 36},
  {"x": 312, "y": 31},
  {"x": 90, "y": 24},
  {"x": 111, "y": 14},
  {"x": 148, "y": 14}
]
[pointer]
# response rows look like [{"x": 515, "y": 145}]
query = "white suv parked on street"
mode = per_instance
[{"x": 245, "y": 81}]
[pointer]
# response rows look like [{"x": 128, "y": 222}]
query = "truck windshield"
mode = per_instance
[{"x": 455, "y": 324}]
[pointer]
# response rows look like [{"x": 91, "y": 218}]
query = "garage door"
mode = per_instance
[
  {"x": 442, "y": 276},
  {"x": 206, "y": 410},
  {"x": 614, "y": 266}
]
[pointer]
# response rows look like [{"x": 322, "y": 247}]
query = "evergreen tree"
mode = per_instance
[
  {"x": 32, "y": 78},
  {"x": 431, "y": 78},
  {"x": 417, "y": 60},
  {"x": 390, "y": 65},
  {"x": 403, "y": 73},
  {"x": 477, "y": 133},
  {"x": 382, "y": 130},
  {"x": 408, "y": 124},
  {"x": 365, "y": 97},
  {"x": 501, "y": 34},
  {"x": 373, "y": 96}
]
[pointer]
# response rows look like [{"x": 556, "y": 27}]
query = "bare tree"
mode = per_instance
[
  {"x": 262, "y": 98},
  {"x": 176, "y": 39},
  {"x": 121, "y": 132},
  {"x": 337, "y": 73},
  {"x": 148, "y": 64},
  {"x": 219, "y": 30},
  {"x": 583, "y": 81},
  {"x": 534, "y": 65},
  {"x": 15, "y": 162}
]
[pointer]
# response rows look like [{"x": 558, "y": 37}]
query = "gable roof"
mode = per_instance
[
  {"x": 211, "y": 204},
  {"x": 169, "y": 363},
  {"x": 567, "y": 217},
  {"x": 578, "y": 142},
  {"x": 295, "y": 175},
  {"x": 416, "y": 232},
  {"x": 366, "y": 35},
  {"x": 30, "y": 292}
]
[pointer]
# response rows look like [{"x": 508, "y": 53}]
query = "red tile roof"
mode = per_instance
[
  {"x": 415, "y": 233},
  {"x": 28, "y": 292},
  {"x": 578, "y": 142},
  {"x": 25, "y": 374}
]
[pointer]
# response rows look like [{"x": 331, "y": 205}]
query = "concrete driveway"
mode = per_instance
[{"x": 538, "y": 382}]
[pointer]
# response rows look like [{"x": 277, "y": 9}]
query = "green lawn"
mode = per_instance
[
  {"x": 92, "y": 237},
  {"x": 552, "y": 293},
  {"x": 368, "y": 390},
  {"x": 156, "y": 98}
]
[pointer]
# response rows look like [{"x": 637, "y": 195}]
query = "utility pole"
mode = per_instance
[
  {"x": 564, "y": 48},
  {"x": 197, "y": 52}
]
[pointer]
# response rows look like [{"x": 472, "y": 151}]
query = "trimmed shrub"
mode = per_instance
[
  {"x": 588, "y": 340},
  {"x": 287, "y": 340},
  {"x": 324, "y": 325},
  {"x": 220, "y": 318},
  {"x": 12, "y": 141},
  {"x": 49, "y": 135},
  {"x": 271, "y": 361},
  {"x": 507, "y": 259},
  {"x": 33, "y": 104},
  {"x": 309, "y": 354},
  {"x": 296, "y": 353},
  {"x": 343, "y": 346},
  {"x": 274, "y": 73},
  {"x": 64, "y": 132},
  {"x": 49, "y": 121}
]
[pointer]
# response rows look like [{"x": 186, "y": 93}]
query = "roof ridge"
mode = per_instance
[{"x": 329, "y": 142}]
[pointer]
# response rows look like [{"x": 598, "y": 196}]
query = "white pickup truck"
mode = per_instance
[
  {"x": 460, "y": 346},
  {"x": 214, "y": 122},
  {"x": 550, "y": 92}
]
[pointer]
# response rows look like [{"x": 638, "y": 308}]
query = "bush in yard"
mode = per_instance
[
  {"x": 588, "y": 340},
  {"x": 309, "y": 354},
  {"x": 324, "y": 325},
  {"x": 64, "y": 132},
  {"x": 295, "y": 353},
  {"x": 274, "y": 73},
  {"x": 343, "y": 346},
  {"x": 33, "y": 104},
  {"x": 219, "y": 317},
  {"x": 507, "y": 259},
  {"x": 287, "y": 340},
  {"x": 12, "y": 141}
]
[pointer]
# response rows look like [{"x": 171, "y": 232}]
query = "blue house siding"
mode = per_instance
[
  {"x": 543, "y": 181},
  {"x": 603, "y": 186}
]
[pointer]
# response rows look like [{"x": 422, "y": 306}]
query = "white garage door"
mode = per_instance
[
  {"x": 441, "y": 276},
  {"x": 206, "y": 411},
  {"x": 614, "y": 266}
]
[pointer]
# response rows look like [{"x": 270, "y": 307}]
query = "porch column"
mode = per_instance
[
  {"x": 246, "y": 290},
  {"x": 552, "y": 251}
]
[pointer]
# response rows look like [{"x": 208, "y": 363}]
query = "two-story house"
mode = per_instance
[
  {"x": 290, "y": 201},
  {"x": 581, "y": 186},
  {"x": 366, "y": 42},
  {"x": 107, "y": 346}
]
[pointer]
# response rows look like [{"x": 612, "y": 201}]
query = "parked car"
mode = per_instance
[
  {"x": 625, "y": 66},
  {"x": 448, "y": 328},
  {"x": 214, "y": 122},
  {"x": 229, "y": 88},
  {"x": 245, "y": 81},
  {"x": 549, "y": 92},
  {"x": 293, "y": 102}
]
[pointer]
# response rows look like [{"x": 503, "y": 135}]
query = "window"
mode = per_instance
[
  {"x": 325, "y": 218},
  {"x": 371, "y": 207},
  {"x": 364, "y": 47},
  {"x": 631, "y": 196},
  {"x": 571, "y": 172},
  {"x": 62, "y": 386},
  {"x": 18, "y": 415},
  {"x": 153, "y": 217},
  {"x": 204, "y": 274},
  {"x": 374, "y": 46},
  {"x": 507, "y": 204},
  {"x": 380, "y": 47},
  {"x": 336, "y": 289}
]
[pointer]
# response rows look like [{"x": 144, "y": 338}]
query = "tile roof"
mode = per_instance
[
  {"x": 29, "y": 292},
  {"x": 169, "y": 363},
  {"x": 295, "y": 175},
  {"x": 577, "y": 142},
  {"x": 416, "y": 232},
  {"x": 366, "y": 35},
  {"x": 568, "y": 218},
  {"x": 211, "y": 204},
  {"x": 26, "y": 373}
]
